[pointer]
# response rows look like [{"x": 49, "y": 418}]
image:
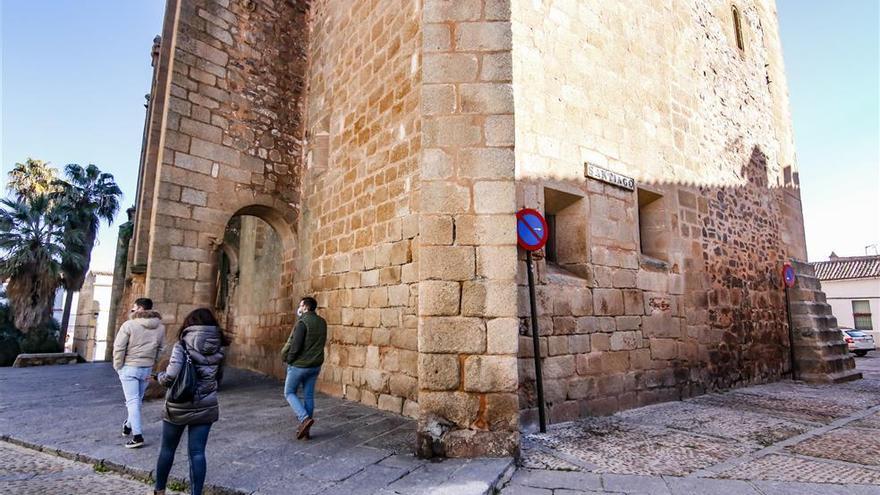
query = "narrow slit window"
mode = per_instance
[
  {"x": 737, "y": 28},
  {"x": 551, "y": 238}
]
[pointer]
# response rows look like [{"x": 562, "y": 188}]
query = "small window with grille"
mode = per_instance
[{"x": 862, "y": 315}]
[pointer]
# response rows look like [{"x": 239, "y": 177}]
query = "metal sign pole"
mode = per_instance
[
  {"x": 790, "y": 335},
  {"x": 788, "y": 280},
  {"x": 539, "y": 379}
]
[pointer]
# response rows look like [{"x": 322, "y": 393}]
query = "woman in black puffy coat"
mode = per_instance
[{"x": 200, "y": 336}]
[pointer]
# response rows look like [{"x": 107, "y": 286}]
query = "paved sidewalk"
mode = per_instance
[
  {"x": 784, "y": 438},
  {"x": 77, "y": 411}
]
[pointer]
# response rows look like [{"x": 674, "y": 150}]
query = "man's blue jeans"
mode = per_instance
[
  {"x": 196, "y": 442},
  {"x": 134, "y": 384},
  {"x": 307, "y": 378}
]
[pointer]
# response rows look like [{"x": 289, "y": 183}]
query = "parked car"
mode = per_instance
[{"x": 858, "y": 342}]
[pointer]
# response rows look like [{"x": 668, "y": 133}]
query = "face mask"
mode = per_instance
[{"x": 299, "y": 311}]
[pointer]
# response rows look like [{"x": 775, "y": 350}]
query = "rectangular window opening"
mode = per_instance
[
  {"x": 862, "y": 315},
  {"x": 566, "y": 217},
  {"x": 653, "y": 229}
]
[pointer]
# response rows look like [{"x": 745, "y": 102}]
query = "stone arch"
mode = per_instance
[{"x": 253, "y": 267}]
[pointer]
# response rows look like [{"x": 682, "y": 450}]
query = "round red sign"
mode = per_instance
[{"x": 531, "y": 229}]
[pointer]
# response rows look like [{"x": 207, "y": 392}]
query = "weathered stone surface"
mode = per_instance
[
  {"x": 438, "y": 371},
  {"x": 490, "y": 374},
  {"x": 456, "y": 335}
]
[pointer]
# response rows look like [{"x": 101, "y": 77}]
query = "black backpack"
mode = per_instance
[{"x": 184, "y": 387}]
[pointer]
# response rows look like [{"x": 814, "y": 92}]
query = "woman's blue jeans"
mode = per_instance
[{"x": 198, "y": 438}]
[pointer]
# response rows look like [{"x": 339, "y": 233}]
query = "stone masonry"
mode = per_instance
[{"x": 372, "y": 154}]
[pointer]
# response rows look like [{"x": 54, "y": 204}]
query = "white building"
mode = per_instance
[
  {"x": 852, "y": 285},
  {"x": 91, "y": 317}
]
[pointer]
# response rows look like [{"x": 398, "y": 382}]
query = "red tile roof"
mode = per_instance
[{"x": 840, "y": 268}]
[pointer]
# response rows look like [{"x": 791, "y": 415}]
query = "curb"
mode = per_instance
[
  {"x": 502, "y": 479},
  {"x": 146, "y": 477}
]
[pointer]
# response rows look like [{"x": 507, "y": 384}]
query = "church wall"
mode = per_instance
[
  {"x": 358, "y": 237},
  {"x": 660, "y": 92},
  {"x": 231, "y": 142}
]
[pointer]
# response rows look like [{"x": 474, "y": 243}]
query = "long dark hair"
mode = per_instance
[{"x": 201, "y": 317}]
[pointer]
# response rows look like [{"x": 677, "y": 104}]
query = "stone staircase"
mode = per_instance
[{"x": 820, "y": 354}]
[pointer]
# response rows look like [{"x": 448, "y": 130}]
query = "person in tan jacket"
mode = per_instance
[{"x": 137, "y": 347}]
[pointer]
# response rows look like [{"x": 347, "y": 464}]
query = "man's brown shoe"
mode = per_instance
[{"x": 303, "y": 431}]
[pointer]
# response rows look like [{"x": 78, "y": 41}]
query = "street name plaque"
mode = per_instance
[{"x": 596, "y": 172}]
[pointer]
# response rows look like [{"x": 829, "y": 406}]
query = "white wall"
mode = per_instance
[{"x": 841, "y": 293}]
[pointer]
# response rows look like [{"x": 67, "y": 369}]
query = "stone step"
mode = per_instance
[
  {"x": 836, "y": 377},
  {"x": 796, "y": 294},
  {"x": 810, "y": 308},
  {"x": 805, "y": 366},
  {"x": 820, "y": 352},
  {"x": 816, "y": 322},
  {"x": 830, "y": 349},
  {"x": 810, "y": 283},
  {"x": 803, "y": 268}
]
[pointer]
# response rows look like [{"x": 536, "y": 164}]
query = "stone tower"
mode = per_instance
[{"x": 373, "y": 154}]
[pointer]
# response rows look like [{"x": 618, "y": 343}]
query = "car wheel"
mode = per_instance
[{"x": 860, "y": 353}]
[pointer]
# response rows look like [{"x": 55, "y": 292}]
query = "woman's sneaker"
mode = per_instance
[
  {"x": 135, "y": 442},
  {"x": 126, "y": 430}
]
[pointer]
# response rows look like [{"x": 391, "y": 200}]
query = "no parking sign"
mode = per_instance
[
  {"x": 788, "y": 276},
  {"x": 531, "y": 235},
  {"x": 531, "y": 229}
]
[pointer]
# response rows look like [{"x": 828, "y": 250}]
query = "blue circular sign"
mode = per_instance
[
  {"x": 531, "y": 229},
  {"x": 788, "y": 275}
]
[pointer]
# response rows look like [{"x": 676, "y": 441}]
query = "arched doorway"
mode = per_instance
[{"x": 250, "y": 294}]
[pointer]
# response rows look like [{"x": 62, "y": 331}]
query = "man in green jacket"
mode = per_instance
[{"x": 304, "y": 355}]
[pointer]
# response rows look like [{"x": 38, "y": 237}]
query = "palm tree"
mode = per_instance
[
  {"x": 31, "y": 242},
  {"x": 86, "y": 197},
  {"x": 32, "y": 178}
]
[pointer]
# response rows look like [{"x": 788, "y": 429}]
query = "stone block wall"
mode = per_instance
[
  {"x": 358, "y": 235},
  {"x": 703, "y": 127},
  {"x": 231, "y": 143},
  {"x": 467, "y": 326}
]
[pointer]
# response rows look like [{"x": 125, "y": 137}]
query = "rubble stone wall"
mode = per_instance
[
  {"x": 660, "y": 93},
  {"x": 359, "y": 231}
]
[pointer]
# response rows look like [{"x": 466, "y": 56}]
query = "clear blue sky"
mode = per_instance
[
  {"x": 74, "y": 74},
  {"x": 831, "y": 58}
]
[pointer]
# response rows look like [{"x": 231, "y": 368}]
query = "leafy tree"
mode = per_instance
[
  {"x": 31, "y": 240},
  {"x": 9, "y": 335},
  {"x": 85, "y": 198},
  {"x": 32, "y": 178}
]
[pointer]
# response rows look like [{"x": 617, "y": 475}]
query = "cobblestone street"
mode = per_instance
[
  {"x": 28, "y": 472},
  {"x": 780, "y": 438}
]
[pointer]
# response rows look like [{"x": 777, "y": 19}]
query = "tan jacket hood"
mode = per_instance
[
  {"x": 139, "y": 341},
  {"x": 148, "y": 318}
]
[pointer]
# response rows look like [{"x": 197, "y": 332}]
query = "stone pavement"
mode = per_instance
[
  {"x": 28, "y": 472},
  {"x": 781, "y": 438},
  {"x": 76, "y": 411}
]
